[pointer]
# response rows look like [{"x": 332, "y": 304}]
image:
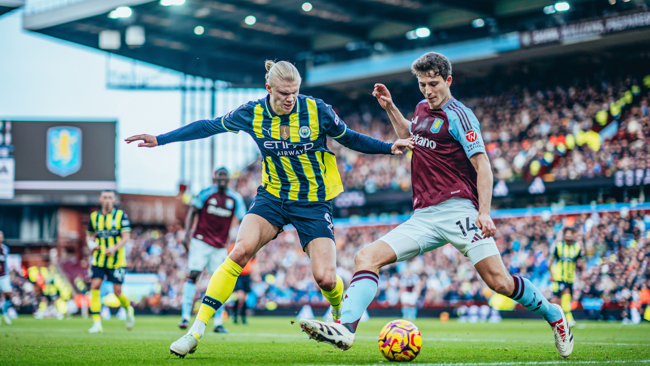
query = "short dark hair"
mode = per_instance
[
  {"x": 220, "y": 169},
  {"x": 432, "y": 64},
  {"x": 569, "y": 229}
]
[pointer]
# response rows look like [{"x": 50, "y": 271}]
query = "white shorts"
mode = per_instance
[
  {"x": 451, "y": 221},
  {"x": 5, "y": 284},
  {"x": 202, "y": 255}
]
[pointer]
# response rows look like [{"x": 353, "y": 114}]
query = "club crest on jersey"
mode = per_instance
[
  {"x": 304, "y": 132},
  {"x": 285, "y": 132},
  {"x": 230, "y": 203},
  {"x": 471, "y": 136},
  {"x": 436, "y": 125}
]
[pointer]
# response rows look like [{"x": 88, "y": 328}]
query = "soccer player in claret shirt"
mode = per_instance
[
  {"x": 5, "y": 282},
  {"x": 215, "y": 207},
  {"x": 452, "y": 192},
  {"x": 299, "y": 179}
]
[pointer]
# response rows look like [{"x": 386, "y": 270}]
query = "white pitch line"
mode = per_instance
[
  {"x": 511, "y": 363},
  {"x": 300, "y": 335}
]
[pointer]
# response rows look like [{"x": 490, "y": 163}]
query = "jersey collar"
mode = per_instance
[
  {"x": 446, "y": 105},
  {"x": 271, "y": 112}
]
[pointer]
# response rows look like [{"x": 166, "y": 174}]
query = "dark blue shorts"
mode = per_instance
[
  {"x": 559, "y": 286},
  {"x": 115, "y": 275},
  {"x": 311, "y": 219}
]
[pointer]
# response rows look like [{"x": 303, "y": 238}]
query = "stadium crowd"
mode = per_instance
[
  {"x": 553, "y": 132},
  {"x": 616, "y": 268}
]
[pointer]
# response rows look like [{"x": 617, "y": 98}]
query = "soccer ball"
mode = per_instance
[{"x": 400, "y": 341}]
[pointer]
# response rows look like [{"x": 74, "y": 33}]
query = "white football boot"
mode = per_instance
[
  {"x": 130, "y": 318},
  {"x": 333, "y": 333},
  {"x": 96, "y": 328},
  {"x": 7, "y": 320},
  {"x": 563, "y": 334},
  {"x": 186, "y": 344}
]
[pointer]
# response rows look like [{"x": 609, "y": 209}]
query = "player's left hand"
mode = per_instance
[
  {"x": 110, "y": 250},
  {"x": 400, "y": 146},
  {"x": 485, "y": 223},
  {"x": 147, "y": 140}
]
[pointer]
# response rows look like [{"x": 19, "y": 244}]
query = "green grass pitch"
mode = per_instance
[{"x": 275, "y": 341}]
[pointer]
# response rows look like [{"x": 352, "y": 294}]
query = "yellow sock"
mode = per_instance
[
  {"x": 566, "y": 306},
  {"x": 124, "y": 301},
  {"x": 335, "y": 296},
  {"x": 220, "y": 288},
  {"x": 95, "y": 305}
]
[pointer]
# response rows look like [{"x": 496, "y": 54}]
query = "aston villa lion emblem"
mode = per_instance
[{"x": 63, "y": 150}]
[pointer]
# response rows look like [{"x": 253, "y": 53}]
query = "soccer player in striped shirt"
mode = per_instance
[
  {"x": 109, "y": 230},
  {"x": 300, "y": 178},
  {"x": 452, "y": 193}
]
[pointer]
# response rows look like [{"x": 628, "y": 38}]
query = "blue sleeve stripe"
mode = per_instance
[{"x": 345, "y": 129}]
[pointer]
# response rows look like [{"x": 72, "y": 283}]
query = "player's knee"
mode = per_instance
[
  {"x": 242, "y": 253},
  {"x": 117, "y": 291},
  {"x": 502, "y": 285},
  {"x": 326, "y": 280},
  {"x": 193, "y": 276},
  {"x": 364, "y": 260}
]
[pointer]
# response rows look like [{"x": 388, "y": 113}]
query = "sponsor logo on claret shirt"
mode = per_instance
[{"x": 471, "y": 136}]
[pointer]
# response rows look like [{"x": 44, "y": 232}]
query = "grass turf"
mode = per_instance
[{"x": 275, "y": 341}]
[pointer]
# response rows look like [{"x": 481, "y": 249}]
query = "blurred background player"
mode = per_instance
[
  {"x": 242, "y": 288},
  {"x": 5, "y": 283},
  {"x": 562, "y": 267},
  {"x": 452, "y": 196},
  {"x": 212, "y": 211},
  {"x": 300, "y": 179},
  {"x": 109, "y": 230}
]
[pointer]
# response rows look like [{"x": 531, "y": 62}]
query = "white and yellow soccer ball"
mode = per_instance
[{"x": 400, "y": 341}]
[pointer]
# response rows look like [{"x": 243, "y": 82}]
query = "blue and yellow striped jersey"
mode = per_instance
[
  {"x": 566, "y": 259},
  {"x": 108, "y": 231},
  {"x": 296, "y": 163}
]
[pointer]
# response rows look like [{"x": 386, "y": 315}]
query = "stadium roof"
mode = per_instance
[
  {"x": 9, "y": 5},
  {"x": 229, "y": 39}
]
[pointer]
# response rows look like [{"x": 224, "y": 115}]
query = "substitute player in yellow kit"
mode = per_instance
[
  {"x": 108, "y": 230},
  {"x": 562, "y": 266}
]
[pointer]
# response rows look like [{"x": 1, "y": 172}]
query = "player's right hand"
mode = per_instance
[
  {"x": 147, "y": 140},
  {"x": 383, "y": 96}
]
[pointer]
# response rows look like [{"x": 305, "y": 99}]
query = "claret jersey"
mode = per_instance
[
  {"x": 444, "y": 140},
  {"x": 216, "y": 211}
]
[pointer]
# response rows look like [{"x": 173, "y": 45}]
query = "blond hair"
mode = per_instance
[{"x": 281, "y": 70}]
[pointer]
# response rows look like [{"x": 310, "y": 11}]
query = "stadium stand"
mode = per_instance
[{"x": 616, "y": 275}]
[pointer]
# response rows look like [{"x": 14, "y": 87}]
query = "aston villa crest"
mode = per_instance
[{"x": 63, "y": 150}]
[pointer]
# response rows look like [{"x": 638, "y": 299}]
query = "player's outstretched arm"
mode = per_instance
[
  {"x": 400, "y": 123},
  {"x": 484, "y": 182},
  {"x": 193, "y": 131},
  {"x": 368, "y": 145}
]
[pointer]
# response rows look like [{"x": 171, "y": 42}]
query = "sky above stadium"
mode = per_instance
[{"x": 43, "y": 78}]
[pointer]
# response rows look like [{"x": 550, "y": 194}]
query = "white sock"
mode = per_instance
[
  {"x": 98, "y": 322},
  {"x": 197, "y": 327}
]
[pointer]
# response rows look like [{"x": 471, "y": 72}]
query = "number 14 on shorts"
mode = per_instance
[{"x": 467, "y": 225}]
